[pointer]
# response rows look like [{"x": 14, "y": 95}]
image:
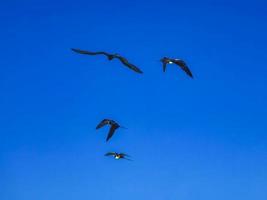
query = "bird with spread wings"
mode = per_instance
[
  {"x": 118, "y": 156},
  {"x": 113, "y": 126},
  {"x": 123, "y": 60},
  {"x": 178, "y": 62}
]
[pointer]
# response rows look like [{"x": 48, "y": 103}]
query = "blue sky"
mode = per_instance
[{"x": 190, "y": 139}]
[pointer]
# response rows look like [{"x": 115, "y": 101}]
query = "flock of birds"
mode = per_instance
[{"x": 113, "y": 124}]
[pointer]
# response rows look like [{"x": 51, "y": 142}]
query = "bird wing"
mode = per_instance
[
  {"x": 183, "y": 66},
  {"x": 90, "y": 53},
  {"x": 131, "y": 66},
  {"x": 127, "y": 159},
  {"x": 110, "y": 154},
  {"x": 102, "y": 123},
  {"x": 112, "y": 130},
  {"x": 124, "y": 154},
  {"x": 164, "y": 66}
]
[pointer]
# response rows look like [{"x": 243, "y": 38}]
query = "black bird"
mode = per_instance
[
  {"x": 123, "y": 60},
  {"x": 118, "y": 156},
  {"x": 113, "y": 126},
  {"x": 178, "y": 62}
]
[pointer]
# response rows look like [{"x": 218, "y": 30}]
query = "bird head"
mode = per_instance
[{"x": 163, "y": 59}]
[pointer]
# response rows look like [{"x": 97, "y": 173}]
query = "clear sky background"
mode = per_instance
[{"x": 191, "y": 139}]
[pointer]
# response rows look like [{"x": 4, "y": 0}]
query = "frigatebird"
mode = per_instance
[
  {"x": 123, "y": 60},
  {"x": 113, "y": 126},
  {"x": 118, "y": 156},
  {"x": 178, "y": 62}
]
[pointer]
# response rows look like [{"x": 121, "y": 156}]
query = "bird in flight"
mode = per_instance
[
  {"x": 123, "y": 60},
  {"x": 118, "y": 156},
  {"x": 178, "y": 62},
  {"x": 113, "y": 126}
]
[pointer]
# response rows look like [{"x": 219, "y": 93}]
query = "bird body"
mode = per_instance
[
  {"x": 123, "y": 60},
  {"x": 179, "y": 62},
  {"x": 113, "y": 126},
  {"x": 118, "y": 156}
]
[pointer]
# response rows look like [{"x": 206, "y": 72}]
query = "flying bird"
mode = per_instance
[
  {"x": 113, "y": 126},
  {"x": 118, "y": 156},
  {"x": 123, "y": 60},
  {"x": 178, "y": 62}
]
